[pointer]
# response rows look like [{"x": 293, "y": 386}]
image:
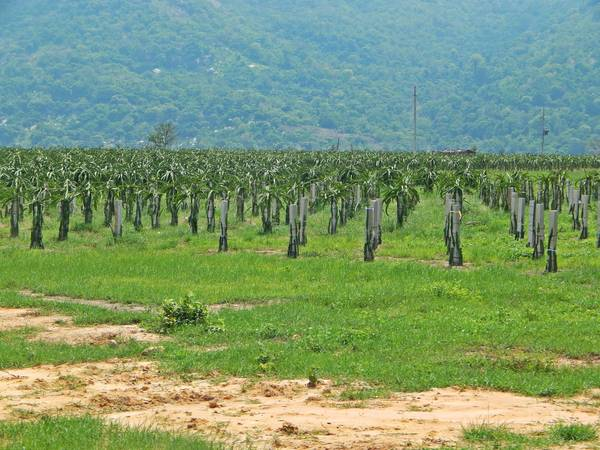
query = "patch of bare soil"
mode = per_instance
[
  {"x": 98, "y": 334},
  {"x": 82, "y": 301},
  {"x": 565, "y": 361},
  {"x": 56, "y": 329},
  {"x": 242, "y": 306},
  {"x": 137, "y": 307},
  {"x": 286, "y": 414},
  {"x": 519, "y": 357},
  {"x": 442, "y": 263},
  {"x": 269, "y": 251},
  {"x": 12, "y": 319}
]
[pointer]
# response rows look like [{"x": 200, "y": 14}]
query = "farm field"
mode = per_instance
[{"x": 323, "y": 350}]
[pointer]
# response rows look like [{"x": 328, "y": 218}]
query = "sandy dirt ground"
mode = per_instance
[
  {"x": 57, "y": 328},
  {"x": 267, "y": 414},
  {"x": 263, "y": 413}
]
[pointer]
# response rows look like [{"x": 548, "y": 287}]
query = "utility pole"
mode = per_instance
[
  {"x": 415, "y": 119},
  {"x": 545, "y": 131}
]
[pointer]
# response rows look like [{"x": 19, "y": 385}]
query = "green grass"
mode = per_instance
[
  {"x": 400, "y": 323},
  {"x": 574, "y": 432},
  {"x": 85, "y": 432},
  {"x": 490, "y": 436}
]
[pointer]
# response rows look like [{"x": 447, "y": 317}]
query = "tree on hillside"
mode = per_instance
[{"x": 163, "y": 136}]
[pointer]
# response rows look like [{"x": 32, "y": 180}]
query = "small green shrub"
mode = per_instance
[
  {"x": 574, "y": 432},
  {"x": 265, "y": 362},
  {"x": 313, "y": 378},
  {"x": 184, "y": 311}
]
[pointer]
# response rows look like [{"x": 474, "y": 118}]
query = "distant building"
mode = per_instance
[{"x": 459, "y": 152}]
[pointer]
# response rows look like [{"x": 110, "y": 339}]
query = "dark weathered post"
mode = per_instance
[
  {"x": 139, "y": 205},
  {"x": 194, "y": 210},
  {"x": 333, "y": 219},
  {"x": 239, "y": 202},
  {"x": 357, "y": 197},
  {"x": 88, "y": 211},
  {"x": 313, "y": 198},
  {"x": 539, "y": 230},
  {"x": 585, "y": 200},
  {"x": 575, "y": 209},
  {"x": 265, "y": 213},
  {"x": 293, "y": 244},
  {"x": 531, "y": 225},
  {"x": 369, "y": 251},
  {"x": 374, "y": 237},
  {"x": 456, "y": 256},
  {"x": 378, "y": 220},
  {"x": 65, "y": 213},
  {"x": 520, "y": 233},
  {"x": 223, "y": 244},
  {"x": 155, "y": 211},
  {"x": 128, "y": 205},
  {"x": 210, "y": 213},
  {"x": 276, "y": 209},
  {"x": 447, "y": 210},
  {"x": 109, "y": 207},
  {"x": 551, "y": 265},
  {"x": 303, "y": 220},
  {"x": 513, "y": 211},
  {"x": 173, "y": 206},
  {"x": 14, "y": 217},
  {"x": 117, "y": 227},
  {"x": 37, "y": 210},
  {"x": 255, "y": 208}
]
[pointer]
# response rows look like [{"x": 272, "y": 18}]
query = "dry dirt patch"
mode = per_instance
[
  {"x": 519, "y": 357},
  {"x": 105, "y": 304},
  {"x": 437, "y": 263},
  {"x": 55, "y": 329},
  {"x": 286, "y": 413},
  {"x": 13, "y": 318},
  {"x": 82, "y": 301},
  {"x": 98, "y": 334}
]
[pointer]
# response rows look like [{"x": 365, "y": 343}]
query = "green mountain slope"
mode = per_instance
[{"x": 301, "y": 73}]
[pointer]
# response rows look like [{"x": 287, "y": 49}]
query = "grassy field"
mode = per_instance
[
  {"x": 87, "y": 432},
  {"x": 402, "y": 323}
]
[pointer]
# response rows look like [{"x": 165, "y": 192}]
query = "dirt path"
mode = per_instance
[
  {"x": 105, "y": 304},
  {"x": 286, "y": 414},
  {"x": 136, "y": 307},
  {"x": 12, "y": 319},
  {"x": 60, "y": 329}
]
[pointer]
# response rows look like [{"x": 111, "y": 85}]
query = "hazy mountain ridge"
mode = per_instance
[{"x": 278, "y": 73}]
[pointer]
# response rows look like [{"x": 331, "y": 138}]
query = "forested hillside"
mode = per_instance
[{"x": 301, "y": 73}]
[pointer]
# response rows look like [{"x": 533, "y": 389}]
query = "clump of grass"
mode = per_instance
[
  {"x": 268, "y": 331},
  {"x": 362, "y": 394},
  {"x": 488, "y": 433},
  {"x": 573, "y": 432}
]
